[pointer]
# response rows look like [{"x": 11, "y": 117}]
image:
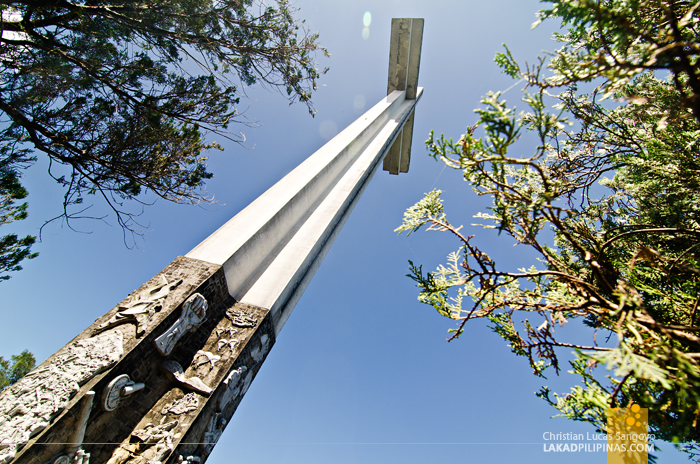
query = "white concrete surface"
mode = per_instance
[
  {"x": 404, "y": 66},
  {"x": 268, "y": 248},
  {"x": 271, "y": 249},
  {"x": 291, "y": 270}
]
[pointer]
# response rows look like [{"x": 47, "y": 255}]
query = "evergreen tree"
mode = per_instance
[
  {"x": 11, "y": 372},
  {"x": 625, "y": 259},
  {"x": 119, "y": 95}
]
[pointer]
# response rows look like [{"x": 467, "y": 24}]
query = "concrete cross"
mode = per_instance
[
  {"x": 404, "y": 64},
  {"x": 165, "y": 385}
]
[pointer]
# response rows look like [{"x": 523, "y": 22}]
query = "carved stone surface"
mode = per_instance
[
  {"x": 77, "y": 436},
  {"x": 140, "y": 308},
  {"x": 211, "y": 436},
  {"x": 187, "y": 403},
  {"x": 233, "y": 387},
  {"x": 111, "y": 397},
  {"x": 228, "y": 331},
  {"x": 123, "y": 453},
  {"x": 161, "y": 453},
  {"x": 259, "y": 353},
  {"x": 62, "y": 459},
  {"x": 120, "y": 387},
  {"x": 29, "y": 405},
  {"x": 156, "y": 433},
  {"x": 205, "y": 360},
  {"x": 236, "y": 384},
  {"x": 194, "y": 311},
  {"x": 189, "y": 459},
  {"x": 240, "y": 318},
  {"x": 174, "y": 369},
  {"x": 246, "y": 382},
  {"x": 80, "y": 457},
  {"x": 156, "y": 444},
  {"x": 224, "y": 343}
]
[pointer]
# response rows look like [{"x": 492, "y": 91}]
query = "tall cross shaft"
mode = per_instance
[{"x": 157, "y": 378}]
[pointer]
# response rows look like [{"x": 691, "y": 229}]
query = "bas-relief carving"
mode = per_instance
[
  {"x": 156, "y": 433},
  {"x": 240, "y": 318},
  {"x": 236, "y": 384},
  {"x": 187, "y": 403},
  {"x": 119, "y": 388},
  {"x": 29, "y": 405},
  {"x": 161, "y": 453},
  {"x": 211, "y": 436},
  {"x": 189, "y": 459},
  {"x": 160, "y": 435},
  {"x": 62, "y": 459},
  {"x": 205, "y": 360},
  {"x": 194, "y": 312},
  {"x": 228, "y": 331},
  {"x": 246, "y": 383},
  {"x": 224, "y": 343},
  {"x": 233, "y": 387},
  {"x": 258, "y": 353},
  {"x": 80, "y": 457},
  {"x": 74, "y": 453},
  {"x": 154, "y": 446},
  {"x": 175, "y": 371},
  {"x": 140, "y": 308},
  {"x": 74, "y": 449}
]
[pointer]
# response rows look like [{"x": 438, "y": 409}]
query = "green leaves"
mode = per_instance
[
  {"x": 617, "y": 185},
  {"x": 18, "y": 367},
  {"x": 623, "y": 361},
  {"x": 122, "y": 95},
  {"x": 617, "y": 40},
  {"x": 419, "y": 214},
  {"x": 507, "y": 63},
  {"x": 13, "y": 250}
]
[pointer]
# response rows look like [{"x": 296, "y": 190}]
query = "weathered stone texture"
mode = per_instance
[
  {"x": 192, "y": 425},
  {"x": 140, "y": 361}
]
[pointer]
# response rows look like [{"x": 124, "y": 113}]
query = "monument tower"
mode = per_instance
[{"x": 157, "y": 378}]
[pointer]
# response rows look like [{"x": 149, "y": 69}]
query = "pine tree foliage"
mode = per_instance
[
  {"x": 120, "y": 94},
  {"x": 13, "y": 370},
  {"x": 12, "y": 249},
  {"x": 616, "y": 177}
]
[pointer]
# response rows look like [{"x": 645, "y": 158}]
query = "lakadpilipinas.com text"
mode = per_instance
[{"x": 597, "y": 443}]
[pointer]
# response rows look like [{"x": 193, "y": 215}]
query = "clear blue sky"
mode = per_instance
[{"x": 360, "y": 360}]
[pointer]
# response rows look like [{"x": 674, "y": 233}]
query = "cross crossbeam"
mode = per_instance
[{"x": 404, "y": 65}]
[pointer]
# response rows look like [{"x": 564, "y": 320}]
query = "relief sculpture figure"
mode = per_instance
[
  {"x": 28, "y": 406},
  {"x": 140, "y": 308},
  {"x": 194, "y": 312}
]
